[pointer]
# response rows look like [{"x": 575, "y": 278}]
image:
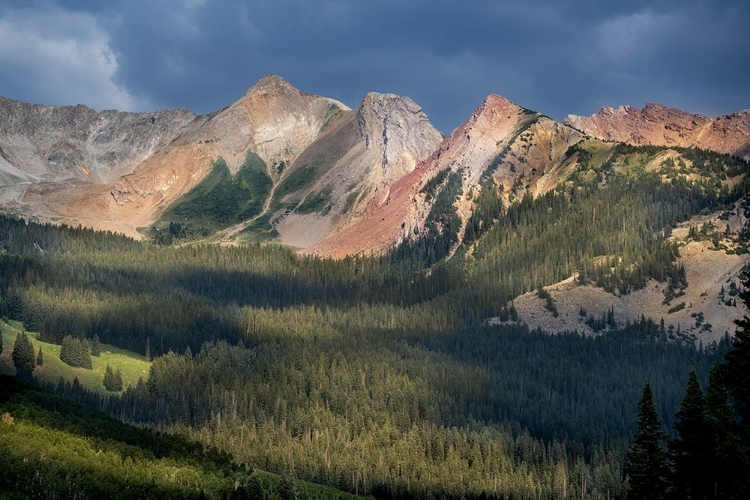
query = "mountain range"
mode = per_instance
[
  {"x": 281, "y": 165},
  {"x": 336, "y": 181}
]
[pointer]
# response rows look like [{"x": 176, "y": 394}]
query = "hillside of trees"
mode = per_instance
[
  {"x": 380, "y": 375},
  {"x": 51, "y": 447}
]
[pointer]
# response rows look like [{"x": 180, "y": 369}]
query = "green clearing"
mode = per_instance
[
  {"x": 132, "y": 366},
  {"x": 292, "y": 183},
  {"x": 219, "y": 200},
  {"x": 259, "y": 231},
  {"x": 315, "y": 202},
  {"x": 295, "y": 181}
]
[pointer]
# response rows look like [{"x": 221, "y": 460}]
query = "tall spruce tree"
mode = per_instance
[
  {"x": 691, "y": 452},
  {"x": 40, "y": 357},
  {"x": 96, "y": 349},
  {"x": 646, "y": 460},
  {"x": 286, "y": 488},
  {"x": 728, "y": 467},
  {"x": 737, "y": 373},
  {"x": 112, "y": 379},
  {"x": 23, "y": 356}
]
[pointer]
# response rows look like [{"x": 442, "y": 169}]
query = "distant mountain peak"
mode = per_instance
[
  {"x": 495, "y": 111},
  {"x": 270, "y": 82},
  {"x": 661, "y": 125},
  {"x": 387, "y": 101},
  {"x": 496, "y": 100}
]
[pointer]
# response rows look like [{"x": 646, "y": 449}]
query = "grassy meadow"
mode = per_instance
[{"x": 132, "y": 366}]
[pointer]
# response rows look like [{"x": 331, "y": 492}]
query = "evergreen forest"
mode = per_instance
[{"x": 378, "y": 375}]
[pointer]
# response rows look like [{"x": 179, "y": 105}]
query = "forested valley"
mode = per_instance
[{"x": 382, "y": 375}]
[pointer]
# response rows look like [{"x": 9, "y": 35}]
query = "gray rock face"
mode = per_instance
[
  {"x": 398, "y": 128},
  {"x": 60, "y": 143},
  {"x": 359, "y": 159}
]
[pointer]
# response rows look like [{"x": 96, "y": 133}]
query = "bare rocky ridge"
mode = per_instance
[
  {"x": 75, "y": 143},
  {"x": 368, "y": 166},
  {"x": 273, "y": 119},
  {"x": 660, "y": 125}
]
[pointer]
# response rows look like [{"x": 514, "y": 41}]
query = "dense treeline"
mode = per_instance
[{"x": 496, "y": 410}]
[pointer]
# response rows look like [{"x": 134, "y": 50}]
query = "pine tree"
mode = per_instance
[
  {"x": 255, "y": 489},
  {"x": 96, "y": 349},
  {"x": 118, "y": 380},
  {"x": 40, "y": 358},
  {"x": 23, "y": 356},
  {"x": 737, "y": 371},
  {"x": 108, "y": 381},
  {"x": 112, "y": 379},
  {"x": 690, "y": 450},
  {"x": 646, "y": 460},
  {"x": 287, "y": 489},
  {"x": 728, "y": 468},
  {"x": 75, "y": 353}
]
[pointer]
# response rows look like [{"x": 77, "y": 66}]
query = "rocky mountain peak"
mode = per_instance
[
  {"x": 495, "y": 111},
  {"x": 393, "y": 124},
  {"x": 495, "y": 100},
  {"x": 271, "y": 83},
  {"x": 274, "y": 119}
]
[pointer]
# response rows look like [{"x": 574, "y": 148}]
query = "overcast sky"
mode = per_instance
[{"x": 553, "y": 56}]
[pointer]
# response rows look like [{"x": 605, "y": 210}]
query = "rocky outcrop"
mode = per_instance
[
  {"x": 663, "y": 126},
  {"x": 395, "y": 129}
]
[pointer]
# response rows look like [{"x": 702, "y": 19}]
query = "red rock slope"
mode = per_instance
[{"x": 659, "y": 125}]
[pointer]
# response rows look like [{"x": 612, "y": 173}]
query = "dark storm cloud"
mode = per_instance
[{"x": 555, "y": 57}]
